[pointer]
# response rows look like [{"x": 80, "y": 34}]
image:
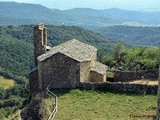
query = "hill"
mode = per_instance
[
  {"x": 16, "y": 55},
  {"x": 86, "y": 105},
  {"x": 143, "y": 17},
  {"x": 22, "y": 13},
  {"x": 12, "y": 13},
  {"x": 135, "y": 36},
  {"x": 16, "y": 45}
]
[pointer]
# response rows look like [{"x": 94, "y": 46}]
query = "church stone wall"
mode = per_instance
[
  {"x": 84, "y": 71},
  {"x": 59, "y": 71},
  {"x": 97, "y": 77},
  {"x": 33, "y": 81}
]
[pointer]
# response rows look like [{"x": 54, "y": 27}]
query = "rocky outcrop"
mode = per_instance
[{"x": 38, "y": 109}]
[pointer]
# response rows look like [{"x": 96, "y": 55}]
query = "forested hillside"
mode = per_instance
[
  {"x": 147, "y": 36},
  {"x": 16, "y": 55},
  {"x": 12, "y": 13},
  {"x": 16, "y": 45}
]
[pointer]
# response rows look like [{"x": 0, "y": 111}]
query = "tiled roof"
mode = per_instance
[{"x": 73, "y": 49}]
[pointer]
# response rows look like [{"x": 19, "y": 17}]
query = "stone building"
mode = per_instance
[{"x": 65, "y": 65}]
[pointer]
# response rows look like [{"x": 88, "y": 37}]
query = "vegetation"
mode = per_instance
[
  {"x": 6, "y": 83},
  {"x": 132, "y": 59},
  {"x": 16, "y": 50},
  {"x": 92, "y": 105},
  {"x": 147, "y": 36},
  {"x": 12, "y": 99},
  {"x": 16, "y": 46},
  {"x": 12, "y": 13}
]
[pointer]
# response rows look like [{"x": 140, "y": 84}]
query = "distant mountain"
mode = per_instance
[
  {"x": 136, "y": 16},
  {"x": 12, "y": 13},
  {"x": 21, "y": 13},
  {"x": 135, "y": 36}
]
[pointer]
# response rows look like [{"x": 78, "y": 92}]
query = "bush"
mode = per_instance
[{"x": 14, "y": 102}]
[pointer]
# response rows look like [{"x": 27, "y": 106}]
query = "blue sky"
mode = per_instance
[{"x": 96, "y": 4}]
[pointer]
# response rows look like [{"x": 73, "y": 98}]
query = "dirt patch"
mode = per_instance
[{"x": 148, "y": 82}]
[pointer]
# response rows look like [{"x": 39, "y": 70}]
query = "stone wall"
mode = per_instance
[
  {"x": 96, "y": 77},
  {"x": 120, "y": 87},
  {"x": 124, "y": 76},
  {"x": 40, "y": 40},
  {"x": 33, "y": 80},
  {"x": 84, "y": 71},
  {"x": 59, "y": 71}
]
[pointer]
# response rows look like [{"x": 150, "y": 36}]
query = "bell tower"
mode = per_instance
[{"x": 40, "y": 41}]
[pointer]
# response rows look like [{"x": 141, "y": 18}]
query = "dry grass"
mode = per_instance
[
  {"x": 148, "y": 82},
  {"x": 6, "y": 83}
]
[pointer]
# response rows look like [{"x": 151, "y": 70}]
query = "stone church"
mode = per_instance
[{"x": 65, "y": 65}]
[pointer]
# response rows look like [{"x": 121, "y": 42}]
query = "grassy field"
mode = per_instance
[
  {"x": 6, "y": 83},
  {"x": 91, "y": 105}
]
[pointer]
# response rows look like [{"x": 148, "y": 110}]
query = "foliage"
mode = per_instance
[
  {"x": 131, "y": 59},
  {"x": 13, "y": 99},
  {"x": 137, "y": 36},
  {"x": 6, "y": 83},
  {"x": 16, "y": 55}
]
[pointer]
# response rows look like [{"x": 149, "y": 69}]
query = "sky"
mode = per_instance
[{"x": 95, "y": 4}]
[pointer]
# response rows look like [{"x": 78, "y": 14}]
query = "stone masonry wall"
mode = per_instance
[
  {"x": 60, "y": 71},
  {"x": 84, "y": 71},
  {"x": 120, "y": 87},
  {"x": 96, "y": 77},
  {"x": 124, "y": 76},
  {"x": 33, "y": 81},
  {"x": 40, "y": 39}
]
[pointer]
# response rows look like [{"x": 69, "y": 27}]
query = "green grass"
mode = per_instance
[
  {"x": 91, "y": 105},
  {"x": 110, "y": 74},
  {"x": 6, "y": 83}
]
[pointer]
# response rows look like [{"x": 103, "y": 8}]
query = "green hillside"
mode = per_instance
[
  {"x": 12, "y": 13},
  {"x": 16, "y": 55},
  {"x": 147, "y": 36}
]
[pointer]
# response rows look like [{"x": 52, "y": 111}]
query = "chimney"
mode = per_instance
[{"x": 40, "y": 41}]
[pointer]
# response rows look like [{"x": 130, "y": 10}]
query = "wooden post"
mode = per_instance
[{"x": 158, "y": 100}]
